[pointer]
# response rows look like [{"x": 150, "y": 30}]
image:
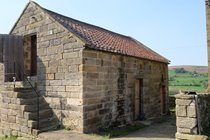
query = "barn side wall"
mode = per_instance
[{"x": 109, "y": 86}]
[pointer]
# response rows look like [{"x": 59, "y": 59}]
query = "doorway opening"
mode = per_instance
[{"x": 138, "y": 100}]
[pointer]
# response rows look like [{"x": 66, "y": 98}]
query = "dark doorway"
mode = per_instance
[
  {"x": 33, "y": 55},
  {"x": 138, "y": 106}
]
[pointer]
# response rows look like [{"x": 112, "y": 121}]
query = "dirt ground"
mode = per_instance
[{"x": 156, "y": 131}]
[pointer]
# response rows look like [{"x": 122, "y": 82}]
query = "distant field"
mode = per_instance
[
  {"x": 187, "y": 78},
  {"x": 198, "y": 69}
]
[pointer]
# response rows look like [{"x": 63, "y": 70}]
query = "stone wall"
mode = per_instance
[
  {"x": 186, "y": 114},
  {"x": 204, "y": 113},
  {"x": 59, "y": 59},
  {"x": 109, "y": 86},
  {"x": 193, "y": 115}
]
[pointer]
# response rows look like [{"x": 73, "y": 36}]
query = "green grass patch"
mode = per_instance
[
  {"x": 187, "y": 81},
  {"x": 8, "y": 138},
  {"x": 106, "y": 134}
]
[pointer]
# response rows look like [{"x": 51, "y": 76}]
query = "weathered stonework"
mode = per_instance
[{"x": 109, "y": 85}]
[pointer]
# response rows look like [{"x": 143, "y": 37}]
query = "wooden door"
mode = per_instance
[
  {"x": 138, "y": 100},
  {"x": 11, "y": 53}
]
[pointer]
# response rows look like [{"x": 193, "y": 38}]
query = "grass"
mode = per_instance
[
  {"x": 187, "y": 81},
  {"x": 8, "y": 138},
  {"x": 106, "y": 134}
]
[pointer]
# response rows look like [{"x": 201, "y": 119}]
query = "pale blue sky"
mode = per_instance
[{"x": 174, "y": 29}]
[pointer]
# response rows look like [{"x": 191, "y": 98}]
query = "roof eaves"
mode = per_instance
[{"x": 165, "y": 59}]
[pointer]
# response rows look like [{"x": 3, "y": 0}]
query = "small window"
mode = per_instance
[{"x": 33, "y": 55}]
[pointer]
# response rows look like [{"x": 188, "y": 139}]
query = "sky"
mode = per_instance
[{"x": 174, "y": 29}]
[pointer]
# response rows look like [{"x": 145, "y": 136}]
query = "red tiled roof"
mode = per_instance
[{"x": 105, "y": 40}]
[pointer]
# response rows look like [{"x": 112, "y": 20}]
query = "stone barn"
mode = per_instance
[{"x": 57, "y": 71}]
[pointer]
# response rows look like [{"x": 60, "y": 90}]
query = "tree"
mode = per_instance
[{"x": 180, "y": 70}]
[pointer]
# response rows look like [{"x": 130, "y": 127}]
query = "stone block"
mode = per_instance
[
  {"x": 59, "y": 88},
  {"x": 181, "y": 136},
  {"x": 24, "y": 129},
  {"x": 51, "y": 76},
  {"x": 12, "y": 112},
  {"x": 92, "y": 121},
  {"x": 52, "y": 69},
  {"x": 181, "y": 111},
  {"x": 23, "y": 121},
  {"x": 70, "y": 55},
  {"x": 55, "y": 82},
  {"x": 11, "y": 119},
  {"x": 71, "y": 45},
  {"x": 73, "y": 68},
  {"x": 55, "y": 101},
  {"x": 89, "y": 54},
  {"x": 6, "y": 100},
  {"x": 73, "y": 76},
  {"x": 75, "y": 94},
  {"x": 4, "y": 117},
  {"x": 183, "y": 102},
  {"x": 14, "y": 106},
  {"x": 14, "y": 126},
  {"x": 191, "y": 111},
  {"x": 71, "y": 101},
  {"x": 74, "y": 88},
  {"x": 59, "y": 76},
  {"x": 186, "y": 122},
  {"x": 88, "y": 68},
  {"x": 4, "y": 111},
  {"x": 184, "y": 130}
]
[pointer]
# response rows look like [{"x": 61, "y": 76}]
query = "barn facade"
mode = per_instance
[{"x": 57, "y": 71}]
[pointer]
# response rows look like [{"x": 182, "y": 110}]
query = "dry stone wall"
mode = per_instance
[
  {"x": 192, "y": 116},
  {"x": 14, "y": 116}
]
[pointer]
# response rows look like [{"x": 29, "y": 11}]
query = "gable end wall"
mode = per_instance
[{"x": 59, "y": 59}]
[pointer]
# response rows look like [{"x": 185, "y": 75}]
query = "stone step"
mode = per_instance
[
  {"x": 30, "y": 101},
  {"x": 25, "y": 93},
  {"x": 33, "y": 108},
  {"x": 44, "y": 113},
  {"x": 43, "y": 123},
  {"x": 35, "y": 132}
]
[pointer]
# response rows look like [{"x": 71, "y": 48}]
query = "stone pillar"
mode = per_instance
[{"x": 186, "y": 118}]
